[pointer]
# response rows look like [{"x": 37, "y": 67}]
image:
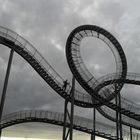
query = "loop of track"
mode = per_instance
[
  {"x": 92, "y": 85},
  {"x": 79, "y": 70}
]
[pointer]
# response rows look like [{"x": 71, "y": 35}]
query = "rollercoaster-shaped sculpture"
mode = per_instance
[{"x": 102, "y": 91}]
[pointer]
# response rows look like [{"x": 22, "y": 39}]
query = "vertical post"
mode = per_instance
[
  {"x": 70, "y": 114},
  {"x": 72, "y": 107},
  {"x": 94, "y": 124},
  {"x": 120, "y": 117},
  {"x": 5, "y": 86},
  {"x": 131, "y": 133},
  {"x": 65, "y": 118},
  {"x": 137, "y": 137},
  {"x": 117, "y": 126},
  {"x": 92, "y": 137},
  {"x": 117, "y": 117}
]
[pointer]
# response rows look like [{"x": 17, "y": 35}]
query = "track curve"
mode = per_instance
[
  {"x": 80, "y": 123},
  {"x": 41, "y": 66},
  {"x": 133, "y": 79},
  {"x": 86, "y": 79},
  {"x": 78, "y": 68},
  {"x": 44, "y": 69}
]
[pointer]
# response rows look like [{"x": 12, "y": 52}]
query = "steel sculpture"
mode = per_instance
[{"x": 104, "y": 90}]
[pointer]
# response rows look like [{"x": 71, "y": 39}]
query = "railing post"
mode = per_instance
[{"x": 5, "y": 86}]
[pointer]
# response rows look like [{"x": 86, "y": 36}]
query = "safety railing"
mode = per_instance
[
  {"x": 23, "y": 43},
  {"x": 59, "y": 117}
]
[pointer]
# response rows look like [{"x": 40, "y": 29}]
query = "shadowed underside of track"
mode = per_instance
[
  {"x": 130, "y": 106},
  {"x": 44, "y": 69},
  {"x": 81, "y": 124}
]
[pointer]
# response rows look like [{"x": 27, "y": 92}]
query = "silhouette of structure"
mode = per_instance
[
  {"x": 104, "y": 93},
  {"x": 80, "y": 123}
]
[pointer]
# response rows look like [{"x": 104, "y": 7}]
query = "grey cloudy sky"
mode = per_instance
[{"x": 47, "y": 24}]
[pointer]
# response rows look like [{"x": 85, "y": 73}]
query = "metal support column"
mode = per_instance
[
  {"x": 117, "y": 122},
  {"x": 5, "y": 86},
  {"x": 68, "y": 134},
  {"x": 65, "y": 119},
  {"x": 72, "y": 107},
  {"x": 94, "y": 124},
  {"x": 120, "y": 117},
  {"x": 119, "y": 132},
  {"x": 131, "y": 133},
  {"x": 117, "y": 117}
]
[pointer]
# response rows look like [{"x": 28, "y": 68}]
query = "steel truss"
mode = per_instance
[
  {"x": 81, "y": 124},
  {"x": 18, "y": 44}
]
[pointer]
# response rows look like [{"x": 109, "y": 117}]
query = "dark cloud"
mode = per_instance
[{"x": 47, "y": 24}]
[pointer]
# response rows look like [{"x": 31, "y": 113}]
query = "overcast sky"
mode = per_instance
[{"x": 46, "y": 24}]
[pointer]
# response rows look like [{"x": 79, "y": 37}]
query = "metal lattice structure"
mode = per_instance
[
  {"x": 103, "y": 90},
  {"x": 80, "y": 123}
]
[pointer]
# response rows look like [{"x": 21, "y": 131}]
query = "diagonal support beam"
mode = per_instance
[{"x": 5, "y": 85}]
